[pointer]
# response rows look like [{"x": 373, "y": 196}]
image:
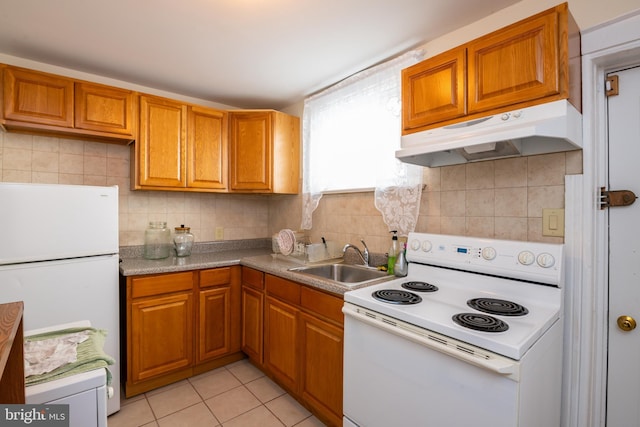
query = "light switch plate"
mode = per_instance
[{"x": 553, "y": 222}]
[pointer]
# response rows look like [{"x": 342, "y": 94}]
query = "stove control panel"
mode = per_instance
[{"x": 539, "y": 262}]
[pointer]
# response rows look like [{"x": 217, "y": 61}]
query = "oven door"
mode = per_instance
[{"x": 398, "y": 375}]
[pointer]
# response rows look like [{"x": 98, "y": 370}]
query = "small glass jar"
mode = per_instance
[
  {"x": 157, "y": 240},
  {"x": 183, "y": 241}
]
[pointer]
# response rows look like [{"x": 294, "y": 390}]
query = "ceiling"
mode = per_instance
[{"x": 242, "y": 53}]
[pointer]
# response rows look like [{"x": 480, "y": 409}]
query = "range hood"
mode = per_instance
[{"x": 545, "y": 128}]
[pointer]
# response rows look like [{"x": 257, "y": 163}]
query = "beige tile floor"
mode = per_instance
[{"x": 236, "y": 395}]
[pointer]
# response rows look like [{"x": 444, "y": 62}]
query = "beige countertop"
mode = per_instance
[{"x": 259, "y": 258}]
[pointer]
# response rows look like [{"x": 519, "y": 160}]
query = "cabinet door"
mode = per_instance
[
  {"x": 161, "y": 335},
  {"x": 207, "y": 148},
  {"x": 434, "y": 90},
  {"x": 104, "y": 109},
  {"x": 251, "y": 152},
  {"x": 516, "y": 64},
  {"x": 252, "y": 334},
  {"x": 214, "y": 327},
  {"x": 322, "y": 367},
  {"x": 162, "y": 143},
  {"x": 30, "y": 96},
  {"x": 280, "y": 342}
]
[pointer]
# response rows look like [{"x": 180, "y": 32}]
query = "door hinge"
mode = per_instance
[
  {"x": 610, "y": 199},
  {"x": 611, "y": 85}
]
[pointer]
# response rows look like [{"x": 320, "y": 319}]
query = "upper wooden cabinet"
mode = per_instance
[
  {"x": 180, "y": 147},
  {"x": 55, "y": 105},
  {"x": 161, "y": 146},
  {"x": 104, "y": 109},
  {"x": 434, "y": 90},
  {"x": 518, "y": 63},
  {"x": 530, "y": 62},
  {"x": 207, "y": 148},
  {"x": 30, "y": 96},
  {"x": 264, "y": 152}
]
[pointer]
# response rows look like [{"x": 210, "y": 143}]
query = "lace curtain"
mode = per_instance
[{"x": 356, "y": 124}]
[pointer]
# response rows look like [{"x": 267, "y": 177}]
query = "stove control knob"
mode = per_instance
[
  {"x": 426, "y": 246},
  {"x": 526, "y": 258},
  {"x": 546, "y": 260},
  {"x": 415, "y": 245},
  {"x": 488, "y": 253}
]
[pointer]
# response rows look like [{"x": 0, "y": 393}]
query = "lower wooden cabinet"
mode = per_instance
[
  {"x": 321, "y": 345},
  {"x": 252, "y": 314},
  {"x": 218, "y": 313},
  {"x": 281, "y": 342},
  {"x": 161, "y": 336},
  {"x": 179, "y": 325},
  {"x": 303, "y": 342},
  {"x": 321, "y": 353}
]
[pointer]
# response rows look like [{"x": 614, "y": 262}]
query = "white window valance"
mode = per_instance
[{"x": 350, "y": 134}]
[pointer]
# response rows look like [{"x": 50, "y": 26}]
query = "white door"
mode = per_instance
[{"x": 623, "y": 382}]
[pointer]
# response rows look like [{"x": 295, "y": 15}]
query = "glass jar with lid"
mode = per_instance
[
  {"x": 183, "y": 241},
  {"x": 157, "y": 240}
]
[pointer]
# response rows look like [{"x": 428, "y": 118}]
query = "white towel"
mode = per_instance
[{"x": 46, "y": 355}]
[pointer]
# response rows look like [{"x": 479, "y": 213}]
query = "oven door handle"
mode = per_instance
[{"x": 495, "y": 363}]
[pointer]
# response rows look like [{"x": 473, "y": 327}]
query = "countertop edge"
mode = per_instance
[{"x": 260, "y": 259}]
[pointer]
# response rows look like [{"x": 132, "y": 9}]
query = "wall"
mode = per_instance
[
  {"x": 473, "y": 199},
  {"x": 27, "y": 158},
  {"x": 495, "y": 199},
  {"x": 499, "y": 199}
]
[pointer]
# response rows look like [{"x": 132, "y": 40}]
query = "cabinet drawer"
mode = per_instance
[
  {"x": 282, "y": 288},
  {"x": 161, "y": 284},
  {"x": 253, "y": 278},
  {"x": 322, "y": 303},
  {"x": 215, "y": 276}
]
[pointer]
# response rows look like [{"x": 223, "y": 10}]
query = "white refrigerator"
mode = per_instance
[{"x": 59, "y": 254}]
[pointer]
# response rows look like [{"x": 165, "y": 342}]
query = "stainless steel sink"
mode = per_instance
[{"x": 343, "y": 273}]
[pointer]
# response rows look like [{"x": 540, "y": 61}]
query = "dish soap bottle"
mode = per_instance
[
  {"x": 400, "y": 269},
  {"x": 393, "y": 252}
]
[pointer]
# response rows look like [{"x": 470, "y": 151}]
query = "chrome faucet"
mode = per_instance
[{"x": 364, "y": 256}]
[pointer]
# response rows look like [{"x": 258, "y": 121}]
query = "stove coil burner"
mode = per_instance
[
  {"x": 480, "y": 322},
  {"x": 396, "y": 296},
  {"x": 420, "y": 286},
  {"x": 498, "y": 307}
]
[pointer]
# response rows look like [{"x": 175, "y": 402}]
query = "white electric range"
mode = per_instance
[{"x": 475, "y": 327}]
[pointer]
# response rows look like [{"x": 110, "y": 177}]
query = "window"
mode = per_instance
[
  {"x": 350, "y": 134},
  {"x": 352, "y": 129}
]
